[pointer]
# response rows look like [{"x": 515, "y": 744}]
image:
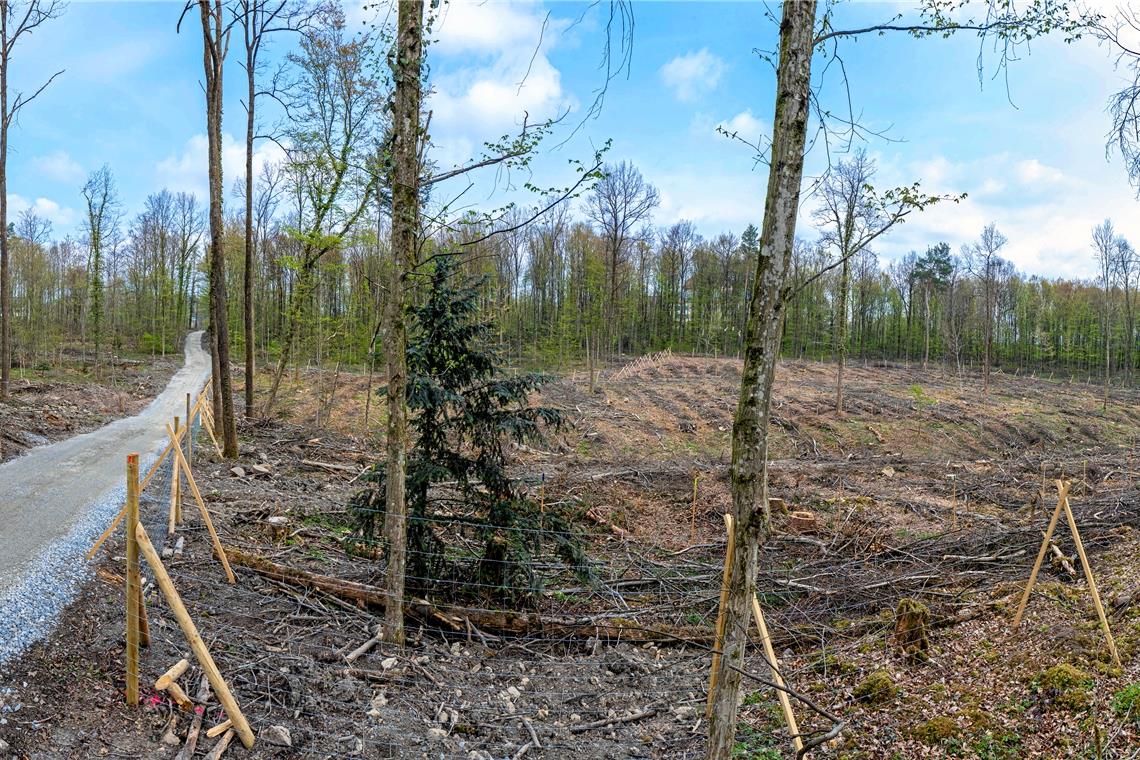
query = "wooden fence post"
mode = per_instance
[
  {"x": 189, "y": 432},
  {"x": 201, "y": 652},
  {"x": 1063, "y": 492},
  {"x": 134, "y": 592},
  {"x": 719, "y": 641}
]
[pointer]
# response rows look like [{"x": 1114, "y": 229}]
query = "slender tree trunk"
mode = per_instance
[
  {"x": 841, "y": 331},
  {"x": 5, "y": 273},
  {"x": 247, "y": 289},
  {"x": 405, "y": 171},
  {"x": 298, "y": 302},
  {"x": 214, "y": 44},
  {"x": 761, "y": 352},
  {"x": 926, "y": 319}
]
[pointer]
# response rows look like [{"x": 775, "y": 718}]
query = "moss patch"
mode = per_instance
[
  {"x": 876, "y": 688},
  {"x": 935, "y": 731}
]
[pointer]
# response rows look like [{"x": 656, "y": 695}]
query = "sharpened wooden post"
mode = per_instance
[
  {"x": 719, "y": 641},
  {"x": 205, "y": 512},
  {"x": 201, "y": 652},
  {"x": 189, "y": 432},
  {"x": 176, "y": 480},
  {"x": 1063, "y": 489},
  {"x": 134, "y": 592},
  {"x": 777, "y": 679},
  {"x": 1091, "y": 581}
]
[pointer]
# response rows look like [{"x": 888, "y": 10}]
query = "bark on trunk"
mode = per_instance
[
  {"x": 841, "y": 331},
  {"x": 5, "y": 272},
  {"x": 214, "y": 45},
  {"x": 762, "y": 344},
  {"x": 247, "y": 285},
  {"x": 405, "y": 213}
]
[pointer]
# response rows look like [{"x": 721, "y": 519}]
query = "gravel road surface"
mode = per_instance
[{"x": 55, "y": 500}]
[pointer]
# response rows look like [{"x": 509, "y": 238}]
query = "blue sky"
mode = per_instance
[{"x": 131, "y": 97}]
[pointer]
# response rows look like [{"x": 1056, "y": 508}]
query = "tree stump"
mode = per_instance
[{"x": 912, "y": 619}]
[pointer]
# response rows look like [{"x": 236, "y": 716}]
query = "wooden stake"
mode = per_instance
[
  {"x": 693, "y": 518},
  {"x": 134, "y": 592},
  {"x": 179, "y": 697},
  {"x": 123, "y": 511},
  {"x": 221, "y": 728},
  {"x": 770, "y": 653},
  {"x": 221, "y": 746},
  {"x": 173, "y": 519},
  {"x": 719, "y": 641},
  {"x": 1091, "y": 581},
  {"x": 205, "y": 512},
  {"x": 1063, "y": 489},
  {"x": 189, "y": 430},
  {"x": 173, "y": 674},
  {"x": 953, "y": 504},
  {"x": 229, "y": 704}
]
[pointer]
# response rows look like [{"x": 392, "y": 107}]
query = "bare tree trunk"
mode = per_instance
[
  {"x": 214, "y": 42},
  {"x": 5, "y": 272},
  {"x": 761, "y": 352},
  {"x": 406, "y": 72},
  {"x": 841, "y": 331},
  {"x": 926, "y": 318},
  {"x": 247, "y": 285}
]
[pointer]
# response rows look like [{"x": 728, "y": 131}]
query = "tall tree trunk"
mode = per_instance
[
  {"x": 247, "y": 290},
  {"x": 841, "y": 331},
  {"x": 405, "y": 175},
  {"x": 761, "y": 351},
  {"x": 214, "y": 46},
  {"x": 247, "y": 285},
  {"x": 5, "y": 273},
  {"x": 926, "y": 319}
]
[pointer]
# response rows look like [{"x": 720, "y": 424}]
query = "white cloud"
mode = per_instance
[
  {"x": 1046, "y": 213},
  {"x": 692, "y": 75},
  {"x": 1032, "y": 171},
  {"x": 493, "y": 72},
  {"x": 58, "y": 215},
  {"x": 737, "y": 202},
  {"x": 188, "y": 171},
  {"x": 486, "y": 28},
  {"x": 745, "y": 126},
  {"x": 59, "y": 166}
]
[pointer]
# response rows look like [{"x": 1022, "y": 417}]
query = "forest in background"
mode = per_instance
[{"x": 599, "y": 274}]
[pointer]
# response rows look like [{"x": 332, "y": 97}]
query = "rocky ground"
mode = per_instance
[{"x": 921, "y": 491}]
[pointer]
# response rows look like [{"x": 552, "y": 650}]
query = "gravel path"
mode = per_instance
[{"x": 55, "y": 500}]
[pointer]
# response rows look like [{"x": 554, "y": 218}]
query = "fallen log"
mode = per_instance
[{"x": 513, "y": 622}]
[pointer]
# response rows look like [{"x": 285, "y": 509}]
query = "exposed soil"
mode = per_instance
[
  {"x": 921, "y": 490},
  {"x": 51, "y": 405}
]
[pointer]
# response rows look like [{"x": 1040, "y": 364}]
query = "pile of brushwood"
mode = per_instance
[{"x": 472, "y": 531}]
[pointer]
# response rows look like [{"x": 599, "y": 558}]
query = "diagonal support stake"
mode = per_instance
[
  {"x": 777, "y": 679},
  {"x": 201, "y": 653},
  {"x": 181, "y": 460},
  {"x": 1063, "y": 506}
]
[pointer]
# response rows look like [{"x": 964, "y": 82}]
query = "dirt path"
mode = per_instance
[{"x": 45, "y": 494}]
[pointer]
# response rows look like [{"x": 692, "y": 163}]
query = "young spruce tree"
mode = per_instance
[{"x": 463, "y": 413}]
